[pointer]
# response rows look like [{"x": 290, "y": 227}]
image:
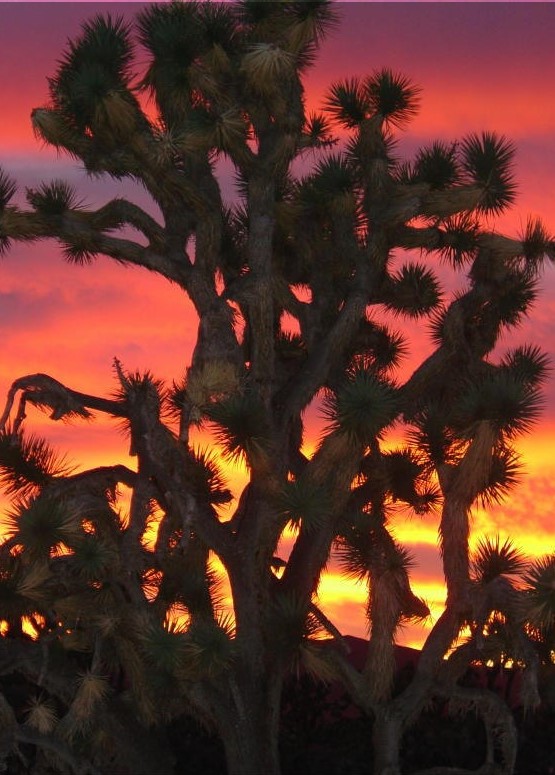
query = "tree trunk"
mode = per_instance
[
  {"x": 251, "y": 734},
  {"x": 386, "y": 737}
]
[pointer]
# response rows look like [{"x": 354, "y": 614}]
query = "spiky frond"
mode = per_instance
[
  {"x": 290, "y": 347},
  {"x": 8, "y": 187},
  {"x": 347, "y": 102},
  {"x": 392, "y": 96},
  {"x": 382, "y": 348},
  {"x": 14, "y": 604},
  {"x": 82, "y": 250},
  {"x": 362, "y": 407},
  {"x": 437, "y": 166},
  {"x": 95, "y": 67},
  {"x": 207, "y": 479},
  {"x": 359, "y": 149},
  {"x": 208, "y": 649},
  {"x": 539, "y": 593},
  {"x": 52, "y": 199},
  {"x": 514, "y": 297},
  {"x": 431, "y": 436},
  {"x": 41, "y": 524},
  {"x": 140, "y": 388},
  {"x": 52, "y": 126},
  {"x": 164, "y": 646},
  {"x": 173, "y": 36},
  {"x": 415, "y": 291},
  {"x": 527, "y": 364},
  {"x": 91, "y": 558},
  {"x": 32, "y": 581},
  {"x": 191, "y": 581},
  {"x": 332, "y": 185},
  {"x": 403, "y": 470},
  {"x": 27, "y": 463},
  {"x": 487, "y": 159},
  {"x": 437, "y": 325},
  {"x": 304, "y": 501},
  {"x": 171, "y": 33},
  {"x": 290, "y": 623},
  {"x": 219, "y": 24},
  {"x": 212, "y": 381},
  {"x": 504, "y": 475},
  {"x": 259, "y": 13},
  {"x": 460, "y": 239},
  {"x": 311, "y": 20},
  {"x": 492, "y": 559},
  {"x": 361, "y": 549},
  {"x": 356, "y": 550},
  {"x": 240, "y": 424},
  {"x": 317, "y": 132},
  {"x": 105, "y": 40},
  {"x": 537, "y": 241},
  {"x": 511, "y": 406}
]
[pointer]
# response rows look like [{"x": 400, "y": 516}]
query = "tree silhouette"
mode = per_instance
[{"x": 319, "y": 249}]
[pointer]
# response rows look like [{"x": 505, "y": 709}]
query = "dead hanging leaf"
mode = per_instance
[
  {"x": 265, "y": 64},
  {"x": 92, "y": 690},
  {"x": 41, "y": 715},
  {"x": 213, "y": 380},
  {"x": 120, "y": 113}
]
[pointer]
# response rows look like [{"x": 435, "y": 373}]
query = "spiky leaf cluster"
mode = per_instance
[
  {"x": 386, "y": 95},
  {"x": 164, "y": 646},
  {"x": 539, "y": 593},
  {"x": 23, "y": 588},
  {"x": 492, "y": 559},
  {"x": 240, "y": 425},
  {"x": 95, "y": 70},
  {"x": 393, "y": 97},
  {"x": 27, "y": 463},
  {"x": 357, "y": 548},
  {"x": 504, "y": 474},
  {"x": 8, "y": 187},
  {"x": 291, "y": 624},
  {"x": 306, "y": 502},
  {"x": 415, "y": 291},
  {"x": 377, "y": 347},
  {"x": 537, "y": 242},
  {"x": 330, "y": 188},
  {"x": 42, "y": 524},
  {"x": 487, "y": 159},
  {"x": 527, "y": 364},
  {"x": 362, "y": 407},
  {"x": 206, "y": 478},
  {"x": 53, "y": 199},
  {"x": 365, "y": 548},
  {"x": 460, "y": 240},
  {"x": 208, "y": 649},
  {"x": 510, "y": 405},
  {"x": 404, "y": 477},
  {"x": 437, "y": 166}
]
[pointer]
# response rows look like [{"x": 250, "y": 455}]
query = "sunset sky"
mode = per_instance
[{"x": 481, "y": 66}]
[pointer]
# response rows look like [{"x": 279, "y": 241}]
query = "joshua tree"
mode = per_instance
[{"x": 318, "y": 250}]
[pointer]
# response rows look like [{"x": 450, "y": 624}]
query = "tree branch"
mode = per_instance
[
  {"x": 43, "y": 390},
  {"x": 119, "y": 211}
]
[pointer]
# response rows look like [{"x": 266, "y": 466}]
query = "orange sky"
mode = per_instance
[{"x": 480, "y": 65}]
